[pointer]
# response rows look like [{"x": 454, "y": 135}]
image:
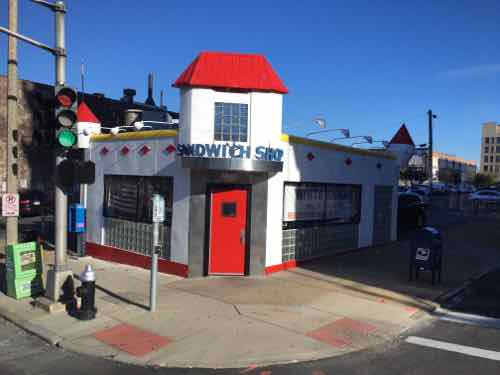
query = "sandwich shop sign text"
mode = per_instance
[{"x": 230, "y": 151}]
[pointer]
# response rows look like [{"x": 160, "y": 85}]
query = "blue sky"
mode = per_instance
[{"x": 364, "y": 65}]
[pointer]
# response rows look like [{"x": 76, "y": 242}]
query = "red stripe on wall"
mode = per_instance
[
  {"x": 281, "y": 267},
  {"x": 117, "y": 255}
]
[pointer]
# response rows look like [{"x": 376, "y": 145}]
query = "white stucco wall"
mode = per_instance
[
  {"x": 328, "y": 166},
  {"x": 157, "y": 162},
  {"x": 197, "y": 117},
  {"x": 266, "y": 119}
]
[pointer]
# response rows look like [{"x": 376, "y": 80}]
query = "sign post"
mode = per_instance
[
  {"x": 10, "y": 205},
  {"x": 158, "y": 216}
]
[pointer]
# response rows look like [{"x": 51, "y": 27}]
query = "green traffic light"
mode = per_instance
[{"x": 66, "y": 138}]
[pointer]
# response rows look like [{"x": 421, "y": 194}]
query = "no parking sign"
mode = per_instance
[{"x": 10, "y": 204}]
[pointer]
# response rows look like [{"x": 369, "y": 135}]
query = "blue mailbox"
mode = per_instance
[{"x": 76, "y": 218}]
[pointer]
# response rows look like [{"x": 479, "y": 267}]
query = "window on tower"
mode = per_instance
[{"x": 231, "y": 122}]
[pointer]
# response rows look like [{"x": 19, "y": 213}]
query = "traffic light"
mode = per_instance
[
  {"x": 66, "y": 105},
  {"x": 71, "y": 172}
]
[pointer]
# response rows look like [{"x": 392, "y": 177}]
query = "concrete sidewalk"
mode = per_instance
[
  {"x": 324, "y": 308},
  {"x": 218, "y": 322}
]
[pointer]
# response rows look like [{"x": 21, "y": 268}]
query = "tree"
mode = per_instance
[{"x": 483, "y": 179}]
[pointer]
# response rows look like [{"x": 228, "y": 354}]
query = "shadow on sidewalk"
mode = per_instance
[
  {"x": 469, "y": 249},
  {"x": 116, "y": 296}
]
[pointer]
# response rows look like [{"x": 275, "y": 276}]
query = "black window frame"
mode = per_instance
[
  {"x": 355, "y": 219},
  {"x": 145, "y": 187}
]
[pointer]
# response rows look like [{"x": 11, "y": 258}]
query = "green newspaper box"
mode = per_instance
[{"x": 24, "y": 268}]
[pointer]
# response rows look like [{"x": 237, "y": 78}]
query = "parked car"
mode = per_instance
[
  {"x": 423, "y": 192},
  {"x": 32, "y": 202},
  {"x": 411, "y": 210},
  {"x": 402, "y": 189},
  {"x": 491, "y": 196}
]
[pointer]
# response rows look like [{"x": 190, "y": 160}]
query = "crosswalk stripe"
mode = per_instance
[{"x": 462, "y": 349}]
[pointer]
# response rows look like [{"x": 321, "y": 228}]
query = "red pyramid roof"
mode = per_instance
[
  {"x": 84, "y": 114},
  {"x": 231, "y": 70},
  {"x": 402, "y": 137}
]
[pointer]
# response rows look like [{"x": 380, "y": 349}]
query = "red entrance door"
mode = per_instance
[{"x": 228, "y": 231}]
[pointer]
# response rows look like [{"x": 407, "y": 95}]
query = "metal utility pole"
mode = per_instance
[
  {"x": 430, "y": 151},
  {"x": 58, "y": 275},
  {"x": 12, "y": 133}
]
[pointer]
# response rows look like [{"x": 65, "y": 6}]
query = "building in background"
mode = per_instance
[
  {"x": 36, "y": 131},
  {"x": 445, "y": 167},
  {"x": 490, "y": 148}
]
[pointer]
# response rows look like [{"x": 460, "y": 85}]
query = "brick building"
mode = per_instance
[{"x": 35, "y": 127}]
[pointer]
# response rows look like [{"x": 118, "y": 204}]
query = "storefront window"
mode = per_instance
[
  {"x": 129, "y": 197},
  {"x": 313, "y": 203},
  {"x": 231, "y": 122}
]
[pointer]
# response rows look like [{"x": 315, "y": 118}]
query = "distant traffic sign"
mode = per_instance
[{"x": 10, "y": 204}]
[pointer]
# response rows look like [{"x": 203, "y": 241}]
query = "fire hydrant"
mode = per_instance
[{"x": 86, "y": 292}]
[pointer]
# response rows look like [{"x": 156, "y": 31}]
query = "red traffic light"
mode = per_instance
[{"x": 66, "y": 97}]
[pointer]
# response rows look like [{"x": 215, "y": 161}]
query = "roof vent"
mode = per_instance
[{"x": 128, "y": 96}]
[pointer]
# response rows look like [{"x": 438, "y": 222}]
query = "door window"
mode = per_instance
[{"x": 228, "y": 209}]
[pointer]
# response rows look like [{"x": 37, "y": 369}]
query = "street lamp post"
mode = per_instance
[
  {"x": 431, "y": 116},
  {"x": 12, "y": 221}
]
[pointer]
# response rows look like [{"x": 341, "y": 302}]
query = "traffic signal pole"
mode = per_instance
[
  {"x": 61, "y": 199},
  {"x": 59, "y": 274}
]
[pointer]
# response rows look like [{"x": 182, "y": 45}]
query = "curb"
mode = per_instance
[
  {"x": 44, "y": 334},
  {"x": 452, "y": 293}
]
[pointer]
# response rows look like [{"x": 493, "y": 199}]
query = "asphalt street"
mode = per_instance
[
  {"x": 438, "y": 347},
  {"x": 482, "y": 297}
]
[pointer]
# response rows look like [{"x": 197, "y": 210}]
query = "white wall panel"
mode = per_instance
[{"x": 157, "y": 162}]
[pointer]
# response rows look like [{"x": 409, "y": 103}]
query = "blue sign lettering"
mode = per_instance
[
  {"x": 231, "y": 151},
  {"x": 260, "y": 152},
  {"x": 200, "y": 150},
  {"x": 213, "y": 151}
]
